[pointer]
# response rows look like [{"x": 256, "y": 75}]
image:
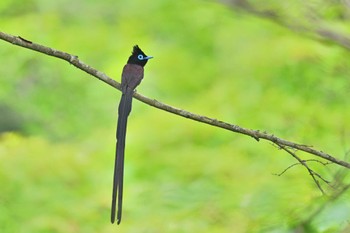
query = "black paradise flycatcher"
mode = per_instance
[{"x": 131, "y": 77}]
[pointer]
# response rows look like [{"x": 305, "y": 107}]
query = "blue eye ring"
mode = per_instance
[{"x": 140, "y": 57}]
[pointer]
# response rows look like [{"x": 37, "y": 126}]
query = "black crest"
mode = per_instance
[{"x": 138, "y": 57}]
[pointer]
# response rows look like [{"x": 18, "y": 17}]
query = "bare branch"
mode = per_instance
[
  {"x": 321, "y": 31},
  {"x": 256, "y": 134},
  {"x": 322, "y": 207},
  {"x": 312, "y": 173},
  {"x": 296, "y": 164}
]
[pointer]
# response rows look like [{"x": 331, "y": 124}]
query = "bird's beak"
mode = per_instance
[{"x": 148, "y": 57}]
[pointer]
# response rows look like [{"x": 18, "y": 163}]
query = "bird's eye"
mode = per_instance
[{"x": 140, "y": 57}]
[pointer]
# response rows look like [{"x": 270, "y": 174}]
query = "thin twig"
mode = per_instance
[
  {"x": 296, "y": 164},
  {"x": 285, "y": 170},
  {"x": 256, "y": 134},
  {"x": 312, "y": 173}
]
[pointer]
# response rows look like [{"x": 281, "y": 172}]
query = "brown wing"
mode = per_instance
[{"x": 131, "y": 76}]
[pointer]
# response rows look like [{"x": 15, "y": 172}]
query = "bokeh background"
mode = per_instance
[{"x": 213, "y": 58}]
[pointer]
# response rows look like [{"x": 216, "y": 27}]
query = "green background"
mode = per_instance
[{"x": 58, "y": 123}]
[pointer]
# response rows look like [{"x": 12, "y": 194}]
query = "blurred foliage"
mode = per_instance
[{"x": 56, "y": 164}]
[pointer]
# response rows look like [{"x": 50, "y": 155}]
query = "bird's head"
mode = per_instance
[{"x": 138, "y": 57}]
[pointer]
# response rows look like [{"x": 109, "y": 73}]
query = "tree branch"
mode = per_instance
[
  {"x": 256, "y": 134},
  {"x": 322, "y": 32},
  {"x": 306, "y": 222}
]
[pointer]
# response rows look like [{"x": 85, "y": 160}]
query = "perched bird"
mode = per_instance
[{"x": 131, "y": 78}]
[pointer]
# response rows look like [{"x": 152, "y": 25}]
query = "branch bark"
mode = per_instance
[{"x": 256, "y": 134}]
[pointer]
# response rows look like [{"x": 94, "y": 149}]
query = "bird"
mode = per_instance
[{"x": 131, "y": 77}]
